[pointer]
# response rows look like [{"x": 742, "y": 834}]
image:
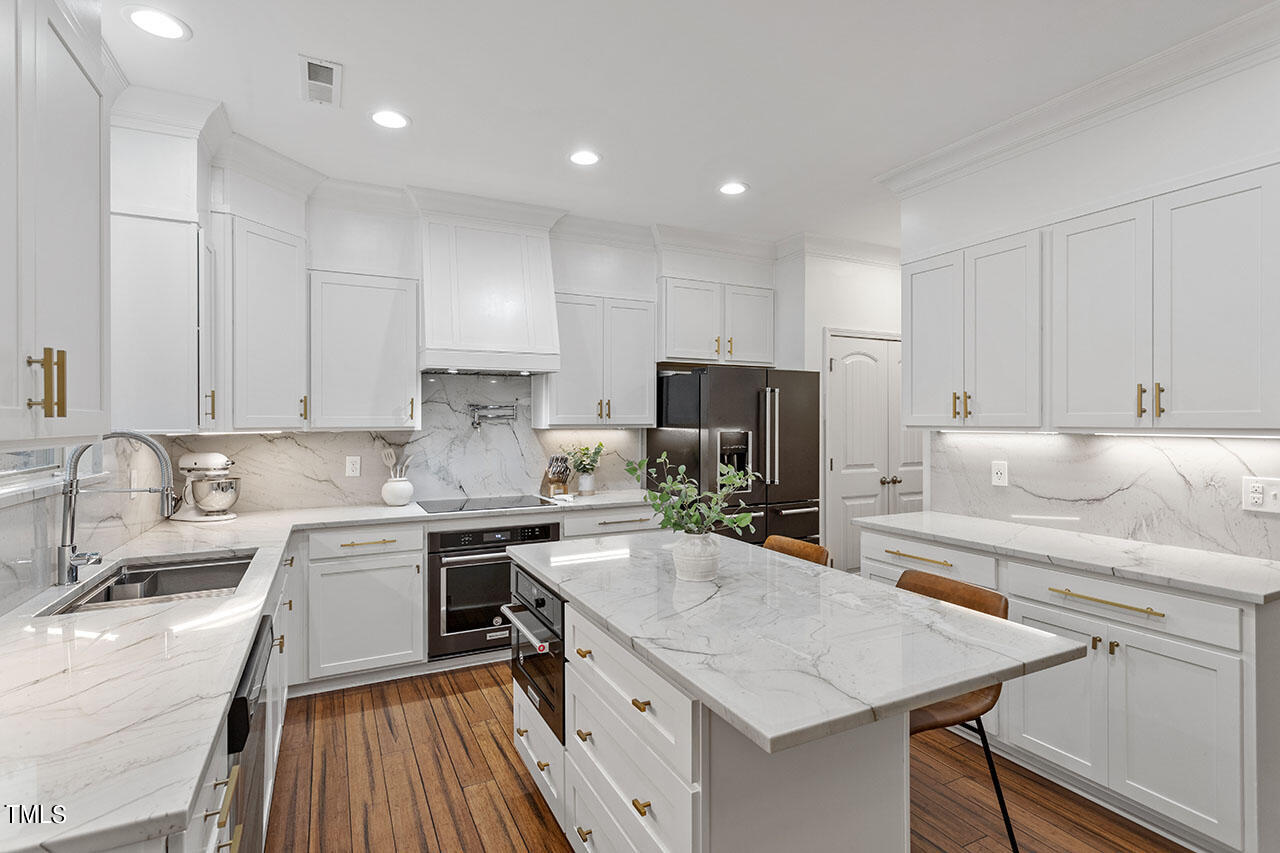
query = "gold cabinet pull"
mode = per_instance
[
  {"x": 582, "y": 736},
  {"x": 45, "y": 404},
  {"x": 543, "y": 765},
  {"x": 717, "y": 344},
  {"x": 1149, "y": 611},
  {"x": 642, "y": 808},
  {"x": 584, "y": 653},
  {"x": 213, "y": 404},
  {"x": 584, "y": 834},
  {"x": 609, "y": 521},
  {"x": 730, "y": 345},
  {"x": 60, "y": 367},
  {"x": 1112, "y": 646},
  {"x": 641, "y": 706},
  {"x": 599, "y": 408},
  {"x": 228, "y": 797},
  {"x": 289, "y": 604},
  {"x": 410, "y": 408},
  {"x": 1142, "y": 390},
  {"x": 305, "y": 409},
  {"x": 1160, "y": 390},
  {"x": 288, "y": 562},
  {"x": 967, "y": 398},
  {"x": 608, "y": 408},
  {"x": 234, "y": 844},
  {"x": 921, "y": 559},
  {"x": 955, "y": 405},
  {"x": 521, "y": 732},
  {"x": 279, "y": 643},
  {"x": 1097, "y": 641},
  {"x": 371, "y": 542}
]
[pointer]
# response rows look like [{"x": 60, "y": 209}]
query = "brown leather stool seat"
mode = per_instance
[{"x": 798, "y": 548}]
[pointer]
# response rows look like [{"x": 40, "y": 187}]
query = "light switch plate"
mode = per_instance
[
  {"x": 1260, "y": 494},
  {"x": 353, "y": 466},
  {"x": 999, "y": 473}
]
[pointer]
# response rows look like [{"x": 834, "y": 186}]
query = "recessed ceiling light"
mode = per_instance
[
  {"x": 524, "y": 373},
  {"x": 584, "y": 158},
  {"x": 390, "y": 119},
  {"x": 157, "y": 23},
  {"x": 733, "y": 188},
  {"x": 452, "y": 370}
]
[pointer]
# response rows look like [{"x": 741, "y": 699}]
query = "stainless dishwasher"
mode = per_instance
[{"x": 247, "y": 742}]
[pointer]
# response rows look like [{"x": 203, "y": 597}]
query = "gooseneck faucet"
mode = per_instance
[{"x": 69, "y": 559}]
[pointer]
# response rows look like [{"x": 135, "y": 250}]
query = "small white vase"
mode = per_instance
[
  {"x": 397, "y": 491},
  {"x": 697, "y": 556},
  {"x": 587, "y": 484}
]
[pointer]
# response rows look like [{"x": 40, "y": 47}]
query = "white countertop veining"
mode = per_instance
[
  {"x": 783, "y": 650},
  {"x": 1247, "y": 579},
  {"x": 600, "y": 500}
]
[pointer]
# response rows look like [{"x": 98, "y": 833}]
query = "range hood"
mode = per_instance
[{"x": 488, "y": 299}]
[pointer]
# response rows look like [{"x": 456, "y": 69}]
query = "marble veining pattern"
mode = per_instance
[
  {"x": 1247, "y": 579},
  {"x": 783, "y": 650}
]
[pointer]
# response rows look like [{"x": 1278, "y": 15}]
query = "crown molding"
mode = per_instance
[
  {"x": 115, "y": 80},
  {"x": 837, "y": 249},
  {"x": 430, "y": 201},
  {"x": 242, "y": 154},
  {"x": 1228, "y": 49},
  {"x": 157, "y": 110},
  {"x": 672, "y": 237},
  {"x": 368, "y": 198},
  {"x": 601, "y": 232}
]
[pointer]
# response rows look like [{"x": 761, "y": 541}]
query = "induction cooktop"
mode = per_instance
[{"x": 473, "y": 504}]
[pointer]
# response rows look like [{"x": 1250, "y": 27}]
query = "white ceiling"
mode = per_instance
[{"x": 806, "y": 100}]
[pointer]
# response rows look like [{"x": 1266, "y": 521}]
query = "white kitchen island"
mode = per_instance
[{"x": 765, "y": 710}]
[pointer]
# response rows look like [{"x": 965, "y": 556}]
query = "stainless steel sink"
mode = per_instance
[{"x": 159, "y": 579}]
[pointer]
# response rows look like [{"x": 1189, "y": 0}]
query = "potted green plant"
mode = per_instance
[
  {"x": 684, "y": 507},
  {"x": 585, "y": 460}
]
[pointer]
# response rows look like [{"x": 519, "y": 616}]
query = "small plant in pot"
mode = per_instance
[
  {"x": 685, "y": 508},
  {"x": 585, "y": 460}
]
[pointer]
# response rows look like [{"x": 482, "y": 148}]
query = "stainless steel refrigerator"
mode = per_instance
[{"x": 751, "y": 418}]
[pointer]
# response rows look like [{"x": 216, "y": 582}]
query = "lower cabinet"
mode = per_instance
[
  {"x": 605, "y": 522},
  {"x": 587, "y": 822},
  {"x": 543, "y": 755}
]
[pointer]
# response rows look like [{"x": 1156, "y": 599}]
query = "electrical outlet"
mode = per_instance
[
  {"x": 1260, "y": 494},
  {"x": 353, "y": 466},
  {"x": 133, "y": 484},
  {"x": 999, "y": 473}
]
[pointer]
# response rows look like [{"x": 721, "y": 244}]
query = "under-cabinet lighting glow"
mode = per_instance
[
  {"x": 1181, "y": 435},
  {"x": 157, "y": 23}
]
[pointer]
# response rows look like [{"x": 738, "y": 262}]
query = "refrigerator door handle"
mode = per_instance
[
  {"x": 775, "y": 434},
  {"x": 766, "y": 450}
]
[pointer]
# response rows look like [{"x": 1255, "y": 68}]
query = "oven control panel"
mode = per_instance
[{"x": 498, "y": 536}]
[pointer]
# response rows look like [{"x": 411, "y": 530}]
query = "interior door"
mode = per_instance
[
  {"x": 1175, "y": 733},
  {"x": 691, "y": 320},
  {"x": 17, "y": 381},
  {"x": 630, "y": 380},
  {"x": 933, "y": 341},
  {"x": 1101, "y": 294},
  {"x": 748, "y": 325},
  {"x": 906, "y": 446},
  {"x": 1217, "y": 303},
  {"x": 857, "y": 442},
  {"x": 1002, "y": 333}
]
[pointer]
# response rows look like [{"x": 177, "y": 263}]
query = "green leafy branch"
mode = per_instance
[
  {"x": 584, "y": 460},
  {"x": 684, "y": 506}
]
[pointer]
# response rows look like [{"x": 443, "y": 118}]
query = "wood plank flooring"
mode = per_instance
[{"x": 427, "y": 764}]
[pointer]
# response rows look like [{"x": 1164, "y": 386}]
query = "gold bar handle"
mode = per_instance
[
  {"x": 60, "y": 369},
  {"x": 306, "y": 409},
  {"x": 955, "y": 405},
  {"x": 608, "y": 408},
  {"x": 521, "y": 732},
  {"x": 582, "y": 736},
  {"x": 599, "y": 408},
  {"x": 213, "y": 404},
  {"x": 543, "y": 765},
  {"x": 411, "y": 408},
  {"x": 967, "y": 398},
  {"x": 584, "y": 834},
  {"x": 641, "y": 706},
  {"x": 288, "y": 562},
  {"x": 362, "y": 544},
  {"x": 921, "y": 559},
  {"x": 228, "y": 797},
  {"x": 1160, "y": 389},
  {"x": 642, "y": 808},
  {"x": 717, "y": 344},
  {"x": 584, "y": 653},
  {"x": 234, "y": 843},
  {"x": 46, "y": 364},
  {"x": 1149, "y": 611},
  {"x": 279, "y": 643},
  {"x": 289, "y": 603},
  {"x": 1142, "y": 390},
  {"x": 731, "y": 345},
  {"x": 1112, "y": 646},
  {"x": 609, "y": 521},
  {"x": 1096, "y": 641}
]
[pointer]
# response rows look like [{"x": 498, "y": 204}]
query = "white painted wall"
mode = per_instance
[
  {"x": 789, "y": 331},
  {"x": 845, "y": 294}
]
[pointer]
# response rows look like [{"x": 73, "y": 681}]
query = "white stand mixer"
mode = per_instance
[{"x": 210, "y": 492}]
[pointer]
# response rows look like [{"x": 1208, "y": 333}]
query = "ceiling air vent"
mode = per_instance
[{"x": 321, "y": 81}]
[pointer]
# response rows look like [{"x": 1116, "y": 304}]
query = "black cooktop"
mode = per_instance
[{"x": 473, "y": 504}]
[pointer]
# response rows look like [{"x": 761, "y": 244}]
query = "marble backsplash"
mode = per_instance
[
  {"x": 31, "y": 527},
  {"x": 451, "y": 458},
  {"x": 1170, "y": 490}
]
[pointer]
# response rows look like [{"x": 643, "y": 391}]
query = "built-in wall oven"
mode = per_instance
[
  {"x": 537, "y": 646},
  {"x": 468, "y": 583}
]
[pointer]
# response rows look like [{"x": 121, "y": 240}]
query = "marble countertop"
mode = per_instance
[
  {"x": 600, "y": 500},
  {"x": 783, "y": 650},
  {"x": 1247, "y": 579}
]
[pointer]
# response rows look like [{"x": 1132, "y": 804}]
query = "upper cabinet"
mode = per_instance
[
  {"x": 933, "y": 340},
  {"x": 17, "y": 422},
  {"x": 748, "y": 325},
  {"x": 712, "y": 323}
]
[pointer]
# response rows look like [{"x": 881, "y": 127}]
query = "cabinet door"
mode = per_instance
[
  {"x": 630, "y": 377},
  {"x": 1002, "y": 333},
  {"x": 1101, "y": 298},
  {"x": 269, "y": 329},
  {"x": 933, "y": 341},
  {"x": 1176, "y": 731},
  {"x": 364, "y": 613},
  {"x": 68, "y": 220},
  {"x": 276, "y": 689},
  {"x": 748, "y": 325},
  {"x": 691, "y": 320},
  {"x": 17, "y": 381},
  {"x": 155, "y": 370},
  {"x": 364, "y": 365},
  {"x": 574, "y": 396},
  {"x": 1217, "y": 303},
  {"x": 1060, "y": 714}
]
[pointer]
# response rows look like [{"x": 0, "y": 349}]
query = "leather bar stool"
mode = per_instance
[
  {"x": 966, "y": 710},
  {"x": 798, "y": 548}
]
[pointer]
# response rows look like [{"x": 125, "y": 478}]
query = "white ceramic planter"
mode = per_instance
[
  {"x": 697, "y": 556},
  {"x": 587, "y": 484},
  {"x": 397, "y": 491}
]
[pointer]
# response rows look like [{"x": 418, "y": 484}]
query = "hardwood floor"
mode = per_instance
[{"x": 427, "y": 764}]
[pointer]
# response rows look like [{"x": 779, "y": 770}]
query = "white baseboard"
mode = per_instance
[{"x": 374, "y": 676}]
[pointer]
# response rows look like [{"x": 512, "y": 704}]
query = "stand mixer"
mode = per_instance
[{"x": 210, "y": 491}]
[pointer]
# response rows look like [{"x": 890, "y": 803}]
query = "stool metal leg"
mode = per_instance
[{"x": 995, "y": 781}]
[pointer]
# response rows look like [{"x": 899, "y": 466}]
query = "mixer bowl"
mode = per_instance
[{"x": 217, "y": 495}]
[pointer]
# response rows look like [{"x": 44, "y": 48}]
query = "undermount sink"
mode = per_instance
[{"x": 159, "y": 579}]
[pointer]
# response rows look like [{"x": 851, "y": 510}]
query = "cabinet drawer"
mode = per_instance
[
  {"x": 604, "y": 522},
  {"x": 1206, "y": 621},
  {"x": 361, "y": 541},
  {"x": 625, "y": 684},
  {"x": 874, "y": 570},
  {"x": 978, "y": 569},
  {"x": 202, "y": 833},
  {"x": 538, "y": 746},
  {"x": 585, "y": 815}
]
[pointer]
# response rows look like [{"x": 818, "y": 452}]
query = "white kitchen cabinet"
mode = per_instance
[
  {"x": 1101, "y": 301},
  {"x": 1216, "y": 303},
  {"x": 748, "y": 325},
  {"x": 269, "y": 328},
  {"x": 607, "y": 375},
  {"x": 1002, "y": 333},
  {"x": 933, "y": 341},
  {"x": 698, "y": 318},
  {"x": 364, "y": 613},
  {"x": 276, "y": 688},
  {"x": 364, "y": 371},
  {"x": 17, "y": 422}
]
